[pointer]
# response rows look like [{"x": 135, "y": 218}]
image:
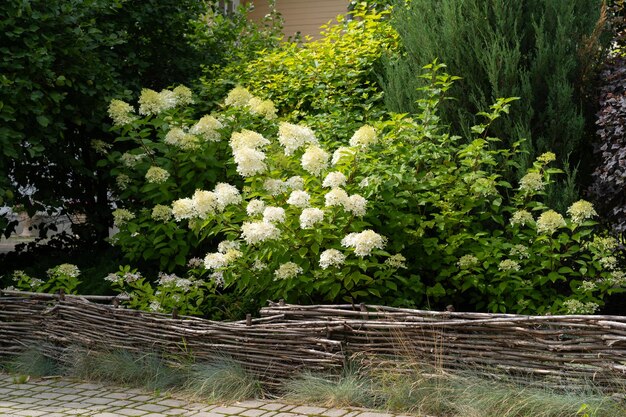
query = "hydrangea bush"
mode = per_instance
[
  {"x": 473, "y": 239},
  {"x": 283, "y": 216},
  {"x": 402, "y": 214}
]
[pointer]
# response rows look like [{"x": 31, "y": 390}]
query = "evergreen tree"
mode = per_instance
[{"x": 542, "y": 51}]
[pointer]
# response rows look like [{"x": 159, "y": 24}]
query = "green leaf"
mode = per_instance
[{"x": 43, "y": 121}]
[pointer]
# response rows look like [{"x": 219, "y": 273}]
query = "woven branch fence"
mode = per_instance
[{"x": 556, "y": 350}]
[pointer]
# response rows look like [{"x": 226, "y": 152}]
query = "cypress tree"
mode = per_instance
[{"x": 538, "y": 50}]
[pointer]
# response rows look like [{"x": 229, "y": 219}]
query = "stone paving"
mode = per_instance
[{"x": 59, "y": 397}]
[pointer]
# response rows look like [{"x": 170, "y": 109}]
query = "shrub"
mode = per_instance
[
  {"x": 471, "y": 238},
  {"x": 284, "y": 226},
  {"x": 541, "y": 51},
  {"x": 323, "y": 81},
  {"x": 291, "y": 225}
]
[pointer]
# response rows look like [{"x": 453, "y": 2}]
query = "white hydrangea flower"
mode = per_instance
[
  {"x": 247, "y": 139},
  {"x": 293, "y": 137},
  {"x": 549, "y": 221},
  {"x": 587, "y": 286},
  {"x": 396, "y": 261},
  {"x": 334, "y": 180},
  {"x": 183, "y": 209},
  {"x": 151, "y": 102},
  {"x": 157, "y": 175},
  {"x": 183, "y": 95},
  {"x": 288, "y": 270},
  {"x": 299, "y": 198},
  {"x": 331, "y": 257},
  {"x": 224, "y": 257},
  {"x": 161, "y": 213},
  {"x": 122, "y": 181},
  {"x": 337, "y": 197},
  {"x": 257, "y": 232},
  {"x": 522, "y": 217},
  {"x": 604, "y": 244},
  {"x": 357, "y": 205},
  {"x": 364, "y": 242},
  {"x": 195, "y": 263},
  {"x": 204, "y": 203},
  {"x": 275, "y": 187},
  {"x": 520, "y": 251},
  {"x": 533, "y": 181},
  {"x": 167, "y": 279},
  {"x": 341, "y": 153},
  {"x": 69, "y": 270},
  {"x": 227, "y": 245},
  {"x": 226, "y": 195},
  {"x": 574, "y": 306},
  {"x": 581, "y": 211},
  {"x": 609, "y": 263},
  {"x": 218, "y": 278},
  {"x": 364, "y": 137},
  {"x": 274, "y": 214},
  {"x": 131, "y": 160},
  {"x": 509, "y": 265},
  {"x": 295, "y": 183},
  {"x": 121, "y": 113},
  {"x": 215, "y": 260},
  {"x": 255, "y": 207},
  {"x": 310, "y": 216},
  {"x": 249, "y": 161},
  {"x": 315, "y": 160},
  {"x": 546, "y": 157},
  {"x": 169, "y": 99},
  {"x": 263, "y": 108},
  {"x": 238, "y": 97},
  {"x": 121, "y": 216},
  {"x": 207, "y": 128},
  {"x": 179, "y": 138}
]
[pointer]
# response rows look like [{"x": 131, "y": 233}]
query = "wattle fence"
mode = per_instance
[{"x": 561, "y": 351}]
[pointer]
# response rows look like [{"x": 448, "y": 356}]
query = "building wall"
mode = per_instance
[{"x": 304, "y": 16}]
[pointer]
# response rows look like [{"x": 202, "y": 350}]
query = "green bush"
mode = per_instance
[
  {"x": 407, "y": 214},
  {"x": 471, "y": 238},
  {"x": 323, "y": 81},
  {"x": 170, "y": 215},
  {"x": 542, "y": 51}
]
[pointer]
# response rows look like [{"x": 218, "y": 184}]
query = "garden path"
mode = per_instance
[{"x": 62, "y": 397}]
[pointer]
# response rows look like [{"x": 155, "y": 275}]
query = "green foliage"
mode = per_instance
[
  {"x": 541, "y": 51},
  {"x": 323, "y": 81},
  {"x": 294, "y": 226},
  {"x": 61, "y": 277},
  {"x": 188, "y": 296},
  {"x": 64, "y": 61},
  {"x": 471, "y": 238}
]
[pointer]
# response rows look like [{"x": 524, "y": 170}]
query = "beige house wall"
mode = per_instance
[{"x": 304, "y": 16}]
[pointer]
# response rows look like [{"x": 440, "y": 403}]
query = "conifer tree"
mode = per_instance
[{"x": 542, "y": 51}]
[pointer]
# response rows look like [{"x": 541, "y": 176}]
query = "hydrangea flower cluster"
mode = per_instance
[
  {"x": 157, "y": 175},
  {"x": 206, "y": 203},
  {"x": 240, "y": 97}
]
